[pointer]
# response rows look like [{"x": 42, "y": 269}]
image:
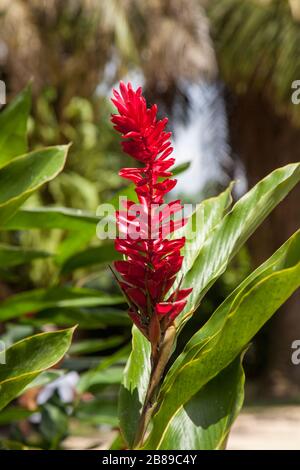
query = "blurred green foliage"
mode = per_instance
[{"x": 71, "y": 293}]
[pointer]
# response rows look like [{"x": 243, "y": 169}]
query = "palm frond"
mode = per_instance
[{"x": 257, "y": 44}]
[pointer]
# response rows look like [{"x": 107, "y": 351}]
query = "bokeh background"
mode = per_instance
[{"x": 223, "y": 72}]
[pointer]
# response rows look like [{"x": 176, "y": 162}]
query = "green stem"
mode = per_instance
[{"x": 159, "y": 360}]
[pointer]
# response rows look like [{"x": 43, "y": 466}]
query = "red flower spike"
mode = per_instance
[{"x": 152, "y": 261}]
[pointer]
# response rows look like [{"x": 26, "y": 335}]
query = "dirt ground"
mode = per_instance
[{"x": 264, "y": 428}]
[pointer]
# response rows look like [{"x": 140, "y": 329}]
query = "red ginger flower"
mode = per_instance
[{"x": 152, "y": 260}]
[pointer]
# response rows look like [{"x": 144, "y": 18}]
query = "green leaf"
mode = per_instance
[
  {"x": 88, "y": 319},
  {"x": 26, "y": 359},
  {"x": 205, "y": 421},
  {"x": 227, "y": 333},
  {"x": 25, "y": 174},
  {"x": 110, "y": 376},
  {"x": 134, "y": 386},
  {"x": 98, "y": 411},
  {"x": 14, "y": 255},
  {"x": 55, "y": 297},
  {"x": 80, "y": 363},
  {"x": 13, "y": 127},
  {"x": 234, "y": 230},
  {"x": 199, "y": 227},
  {"x": 287, "y": 255},
  {"x": 54, "y": 424},
  {"x": 14, "y": 414},
  {"x": 88, "y": 377},
  {"x": 92, "y": 256},
  {"x": 89, "y": 346},
  {"x": 118, "y": 443},
  {"x": 178, "y": 169},
  {"x": 73, "y": 243},
  {"x": 52, "y": 217}
]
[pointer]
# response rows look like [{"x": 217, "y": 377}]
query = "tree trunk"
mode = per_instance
[{"x": 264, "y": 141}]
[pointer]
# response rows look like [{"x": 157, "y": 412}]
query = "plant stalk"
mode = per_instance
[{"x": 159, "y": 359}]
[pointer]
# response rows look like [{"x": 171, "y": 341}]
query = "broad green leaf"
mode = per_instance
[
  {"x": 13, "y": 127},
  {"x": 112, "y": 375},
  {"x": 90, "y": 257},
  {"x": 74, "y": 242},
  {"x": 199, "y": 226},
  {"x": 205, "y": 421},
  {"x": 55, "y": 297},
  {"x": 80, "y": 363},
  {"x": 52, "y": 217},
  {"x": 134, "y": 386},
  {"x": 234, "y": 230},
  {"x": 118, "y": 443},
  {"x": 227, "y": 333},
  {"x": 25, "y": 174},
  {"x": 26, "y": 359},
  {"x": 85, "y": 318},
  {"x": 89, "y": 346},
  {"x": 14, "y": 414},
  {"x": 88, "y": 377},
  {"x": 207, "y": 215},
  {"x": 98, "y": 411},
  {"x": 81, "y": 225},
  {"x": 287, "y": 255},
  {"x": 14, "y": 255}
]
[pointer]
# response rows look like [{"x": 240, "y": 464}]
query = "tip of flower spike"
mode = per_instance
[{"x": 124, "y": 90}]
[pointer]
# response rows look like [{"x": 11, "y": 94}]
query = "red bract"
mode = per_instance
[{"x": 152, "y": 261}]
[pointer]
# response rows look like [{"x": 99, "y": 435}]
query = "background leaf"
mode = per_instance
[
  {"x": 52, "y": 217},
  {"x": 14, "y": 255},
  {"x": 13, "y": 127},
  {"x": 98, "y": 411},
  {"x": 26, "y": 174},
  {"x": 85, "y": 318},
  {"x": 90, "y": 257},
  {"x": 26, "y": 359},
  {"x": 60, "y": 297}
]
